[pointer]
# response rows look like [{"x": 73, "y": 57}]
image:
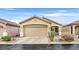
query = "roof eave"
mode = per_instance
[{"x": 33, "y": 17}]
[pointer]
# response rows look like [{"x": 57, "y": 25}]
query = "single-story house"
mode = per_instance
[
  {"x": 39, "y": 27},
  {"x": 72, "y": 28},
  {"x": 8, "y": 28}
]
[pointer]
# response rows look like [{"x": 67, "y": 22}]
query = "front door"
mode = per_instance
[{"x": 55, "y": 29}]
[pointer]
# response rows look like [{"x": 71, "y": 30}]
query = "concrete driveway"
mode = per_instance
[{"x": 31, "y": 40}]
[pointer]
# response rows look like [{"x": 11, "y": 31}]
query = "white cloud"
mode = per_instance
[
  {"x": 13, "y": 20},
  {"x": 61, "y": 14},
  {"x": 58, "y": 11}
]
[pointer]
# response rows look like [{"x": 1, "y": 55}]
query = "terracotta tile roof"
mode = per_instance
[{"x": 7, "y": 22}]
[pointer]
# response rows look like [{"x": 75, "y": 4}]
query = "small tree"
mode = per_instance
[{"x": 51, "y": 35}]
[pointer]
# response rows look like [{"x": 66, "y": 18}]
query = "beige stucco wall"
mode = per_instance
[
  {"x": 12, "y": 30},
  {"x": 3, "y": 31},
  {"x": 35, "y": 21},
  {"x": 66, "y": 30}
]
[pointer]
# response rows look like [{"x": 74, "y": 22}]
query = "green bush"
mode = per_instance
[
  {"x": 6, "y": 38},
  {"x": 51, "y": 35},
  {"x": 68, "y": 38}
]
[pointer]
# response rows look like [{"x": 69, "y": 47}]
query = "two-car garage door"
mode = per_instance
[{"x": 35, "y": 30}]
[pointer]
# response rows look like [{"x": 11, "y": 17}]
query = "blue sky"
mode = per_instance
[{"x": 61, "y": 15}]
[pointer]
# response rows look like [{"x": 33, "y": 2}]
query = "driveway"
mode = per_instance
[{"x": 31, "y": 40}]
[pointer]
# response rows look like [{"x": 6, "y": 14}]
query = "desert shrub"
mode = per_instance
[
  {"x": 68, "y": 38},
  {"x": 6, "y": 38},
  {"x": 51, "y": 35}
]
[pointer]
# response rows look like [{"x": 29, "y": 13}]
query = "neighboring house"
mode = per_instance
[
  {"x": 72, "y": 28},
  {"x": 39, "y": 27},
  {"x": 8, "y": 28}
]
